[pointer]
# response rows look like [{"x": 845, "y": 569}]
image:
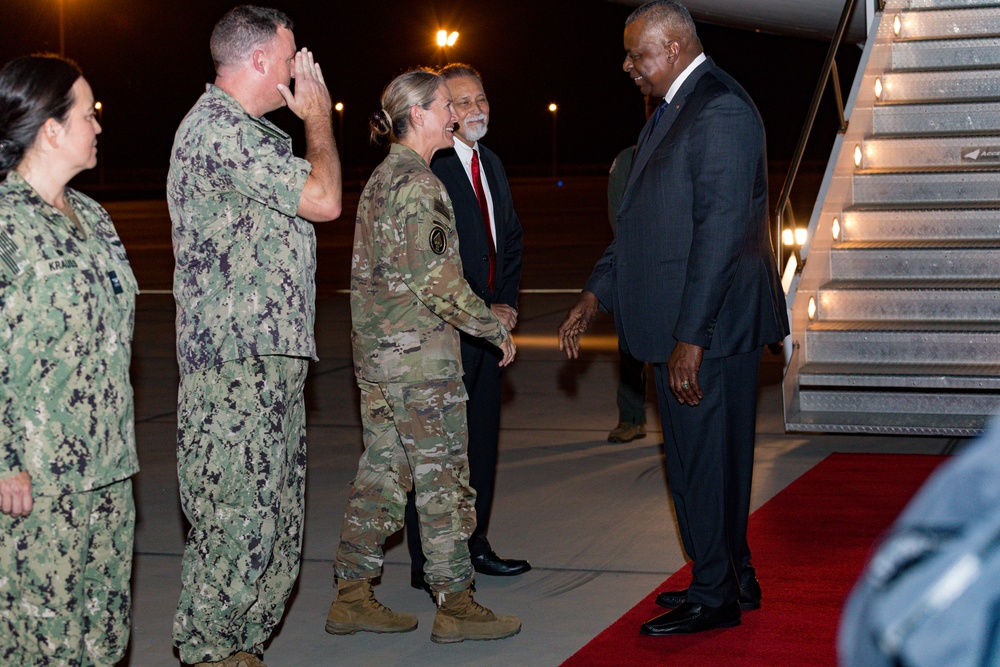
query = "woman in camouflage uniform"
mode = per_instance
[
  {"x": 67, "y": 438},
  {"x": 408, "y": 302}
]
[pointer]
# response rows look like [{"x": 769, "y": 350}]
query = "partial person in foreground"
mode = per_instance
[
  {"x": 693, "y": 284},
  {"x": 242, "y": 207},
  {"x": 408, "y": 303},
  {"x": 930, "y": 594},
  {"x": 489, "y": 235},
  {"x": 67, "y": 433}
]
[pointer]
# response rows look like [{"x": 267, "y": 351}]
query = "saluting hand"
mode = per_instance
[{"x": 311, "y": 99}]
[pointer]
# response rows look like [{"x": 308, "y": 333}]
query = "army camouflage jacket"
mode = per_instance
[
  {"x": 408, "y": 296},
  {"x": 68, "y": 308},
  {"x": 245, "y": 274}
]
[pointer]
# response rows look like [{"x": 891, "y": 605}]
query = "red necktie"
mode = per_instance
[{"x": 477, "y": 185}]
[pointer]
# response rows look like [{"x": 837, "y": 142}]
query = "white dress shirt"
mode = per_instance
[
  {"x": 464, "y": 154},
  {"x": 679, "y": 81}
]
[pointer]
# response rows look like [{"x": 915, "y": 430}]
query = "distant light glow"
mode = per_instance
[
  {"x": 788, "y": 237},
  {"x": 553, "y": 107},
  {"x": 339, "y": 106},
  {"x": 857, "y": 155},
  {"x": 811, "y": 310},
  {"x": 446, "y": 39},
  {"x": 559, "y": 183},
  {"x": 836, "y": 229},
  {"x": 878, "y": 88},
  {"x": 800, "y": 235},
  {"x": 897, "y": 25},
  {"x": 98, "y": 106}
]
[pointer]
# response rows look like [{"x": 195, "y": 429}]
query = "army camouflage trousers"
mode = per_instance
[
  {"x": 241, "y": 464},
  {"x": 64, "y": 579},
  {"x": 415, "y": 436}
]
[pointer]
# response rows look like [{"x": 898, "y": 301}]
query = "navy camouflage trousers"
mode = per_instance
[
  {"x": 64, "y": 579},
  {"x": 241, "y": 464}
]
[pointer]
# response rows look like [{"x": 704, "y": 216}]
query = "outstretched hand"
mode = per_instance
[
  {"x": 311, "y": 98},
  {"x": 576, "y": 322}
]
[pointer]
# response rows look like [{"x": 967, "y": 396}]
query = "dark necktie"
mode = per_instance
[
  {"x": 659, "y": 112},
  {"x": 484, "y": 206}
]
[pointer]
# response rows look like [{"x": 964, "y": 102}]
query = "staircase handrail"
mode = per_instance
[{"x": 829, "y": 68}]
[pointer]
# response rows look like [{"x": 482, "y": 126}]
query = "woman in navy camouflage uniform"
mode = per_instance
[{"x": 67, "y": 437}]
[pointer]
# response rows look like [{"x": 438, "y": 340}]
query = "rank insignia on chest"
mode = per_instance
[
  {"x": 438, "y": 240},
  {"x": 116, "y": 284}
]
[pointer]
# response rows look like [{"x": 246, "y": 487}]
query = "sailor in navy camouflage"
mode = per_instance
[
  {"x": 242, "y": 205},
  {"x": 67, "y": 434}
]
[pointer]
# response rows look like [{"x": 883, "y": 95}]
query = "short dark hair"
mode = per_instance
[
  {"x": 32, "y": 90},
  {"x": 242, "y": 30},
  {"x": 672, "y": 16},
  {"x": 455, "y": 70}
]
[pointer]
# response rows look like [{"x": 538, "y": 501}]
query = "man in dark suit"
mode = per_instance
[
  {"x": 694, "y": 288},
  {"x": 489, "y": 235}
]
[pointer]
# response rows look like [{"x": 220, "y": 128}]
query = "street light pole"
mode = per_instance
[
  {"x": 340, "y": 129},
  {"x": 554, "y": 108},
  {"x": 101, "y": 157}
]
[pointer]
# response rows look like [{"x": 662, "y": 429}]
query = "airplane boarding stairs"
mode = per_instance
[{"x": 896, "y": 310}]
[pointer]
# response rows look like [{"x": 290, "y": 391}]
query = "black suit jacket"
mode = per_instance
[
  {"x": 472, "y": 241},
  {"x": 692, "y": 260}
]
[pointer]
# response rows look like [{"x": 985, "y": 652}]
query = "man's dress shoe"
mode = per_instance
[
  {"x": 749, "y": 597},
  {"x": 692, "y": 617},
  {"x": 491, "y": 564}
]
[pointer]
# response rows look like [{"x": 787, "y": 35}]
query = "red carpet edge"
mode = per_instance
[{"x": 809, "y": 545}]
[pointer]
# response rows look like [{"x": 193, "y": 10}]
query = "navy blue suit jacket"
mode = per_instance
[
  {"x": 692, "y": 260},
  {"x": 472, "y": 241}
]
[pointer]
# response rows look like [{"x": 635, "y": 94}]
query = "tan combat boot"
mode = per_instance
[
  {"x": 357, "y": 609},
  {"x": 241, "y": 659},
  {"x": 459, "y": 617}
]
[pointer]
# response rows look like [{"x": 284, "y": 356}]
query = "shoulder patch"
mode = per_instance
[
  {"x": 12, "y": 262},
  {"x": 442, "y": 208},
  {"x": 438, "y": 240}
]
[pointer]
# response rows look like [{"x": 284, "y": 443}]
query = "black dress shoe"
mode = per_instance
[
  {"x": 749, "y": 597},
  {"x": 491, "y": 564},
  {"x": 692, "y": 617}
]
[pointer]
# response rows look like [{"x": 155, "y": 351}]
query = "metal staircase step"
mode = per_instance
[
  {"x": 957, "y": 185},
  {"x": 948, "y": 4},
  {"x": 945, "y": 53},
  {"x": 901, "y": 376},
  {"x": 896, "y": 300},
  {"x": 945, "y": 23},
  {"x": 932, "y": 152},
  {"x": 949, "y": 425},
  {"x": 969, "y": 84},
  {"x": 874, "y": 260},
  {"x": 899, "y": 402},
  {"x": 902, "y": 342},
  {"x": 936, "y": 118},
  {"x": 871, "y": 223}
]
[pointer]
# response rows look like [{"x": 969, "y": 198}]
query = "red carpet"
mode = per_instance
[{"x": 809, "y": 544}]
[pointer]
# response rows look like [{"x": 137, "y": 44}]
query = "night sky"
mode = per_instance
[{"x": 148, "y": 61}]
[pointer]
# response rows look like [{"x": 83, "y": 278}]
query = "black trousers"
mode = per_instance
[
  {"x": 709, "y": 452},
  {"x": 483, "y": 381}
]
